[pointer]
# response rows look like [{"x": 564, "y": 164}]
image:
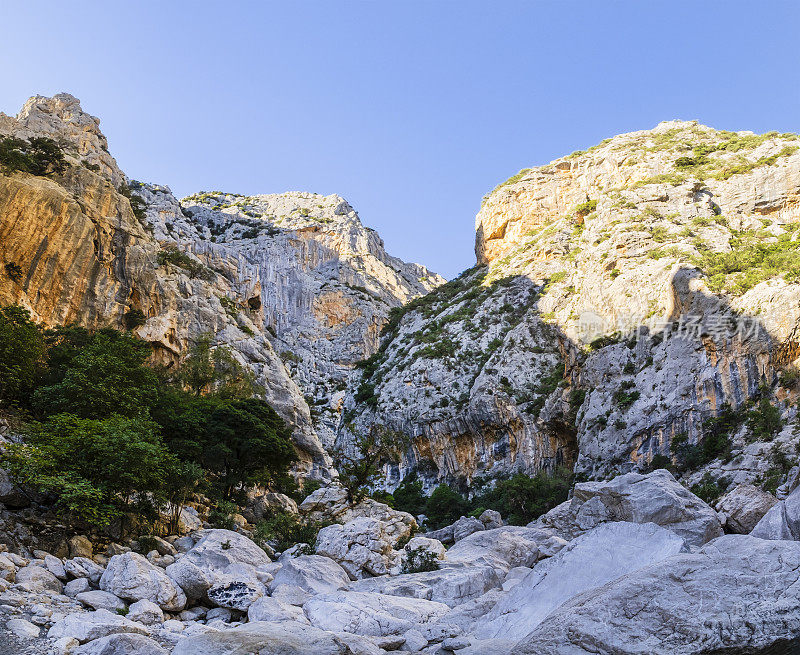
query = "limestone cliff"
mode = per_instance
[
  {"x": 89, "y": 245},
  {"x": 622, "y": 296}
]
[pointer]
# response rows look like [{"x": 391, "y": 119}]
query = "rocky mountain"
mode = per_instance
[
  {"x": 630, "y": 304},
  {"x": 293, "y": 283}
]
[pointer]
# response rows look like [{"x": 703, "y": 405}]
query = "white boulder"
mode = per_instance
[
  {"x": 362, "y": 547},
  {"x": 133, "y": 577},
  {"x": 314, "y": 574},
  {"x": 87, "y": 626}
]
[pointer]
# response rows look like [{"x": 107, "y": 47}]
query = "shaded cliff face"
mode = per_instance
[
  {"x": 87, "y": 257},
  {"x": 623, "y": 295}
]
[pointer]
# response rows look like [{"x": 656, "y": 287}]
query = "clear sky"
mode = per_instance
[{"x": 410, "y": 110}]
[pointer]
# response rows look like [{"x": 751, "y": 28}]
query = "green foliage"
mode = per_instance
[
  {"x": 764, "y": 422},
  {"x": 221, "y": 515},
  {"x": 37, "y": 156},
  {"x": 14, "y": 271},
  {"x": 172, "y": 255},
  {"x": 660, "y": 461},
  {"x": 282, "y": 530},
  {"x": 625, "y": 396},
  {"x": 361, "y": 465},
  {"x": 209, "y": 369},
  {"x": 445, "y": 506},
  {"x": 585, "y": 208},
  {"x": 96, "y": 375},
  {"x": 22, "y": 351},
  {"x": 408, "y": 497},
  {"x": 753, "y": 258},
  {"x": 134, "y": 318},
  {"x": 523, "y": 498},
  {"x": 708, "y": 489},
  {"x": 419, "y": 560},
  {"x": 97, "y": 468},
  {"x": 716, "y": 443}
]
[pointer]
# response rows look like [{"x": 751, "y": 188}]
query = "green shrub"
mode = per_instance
[
  {"x": 14, "y": 271},
  {"x": 523, "y": 498},
  {"x": 183, "y": 261},
  {"x": 708, "y": 489},
  {"x": 282, "y": 530},
  {"x": 221, "y": 515},
  {"x": 624, "y": 397},
  {"x": 408, "y": 497},
  {"x": 444, "y": 506},
  {"x": 585, "y": 208},
  {"x": 419, "y": 560},
  {"x": 37, "y": 156},
  {"x": 765, "y": 421},
  {"x": 134, "y": 318}
]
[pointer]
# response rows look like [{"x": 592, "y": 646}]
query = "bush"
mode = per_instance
[
  {"x": 585, "y": 208},
  {"x": 22, "y": 352},
  {"x": 134, "y": 318},
  {"x": 765, "y": 421},
  {"x": 182, "y": 260},
  {"x": 221, "y": 516},
  {"x": 37, "y": 156},
  {"x": 408, "y": 497},
  {"x": 708, "y": 489},
  {"x": 445, "y": 506},
  {"x": 282, "y": 530},
  {"x": 419, "y": 560},
  {"x": 523, "y": 498},
  {"x": 624, "y": 397},
  {"x": 14, "y": 271}
]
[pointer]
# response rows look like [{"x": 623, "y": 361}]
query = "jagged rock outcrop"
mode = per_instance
[
  {"x": 293, "y": 283},
  {"x": 623, "y": 296}
]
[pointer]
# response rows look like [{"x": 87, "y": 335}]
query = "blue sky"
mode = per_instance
[{"x": 410, "y": 110}]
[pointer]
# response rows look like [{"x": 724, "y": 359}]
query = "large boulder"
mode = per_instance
[
  {"x": 83, "y": 567},
  {"x": 87, "y": 626},
  {"x": 133, "y": 577},
  {"x": 314, "y": 574},
  {"x": 121, "y": 644},
  {"x": 260, "y": 505},
  {"x": 11, "y": 495},
  {"x": 743, "y": 507},
  {"x": 451, "y": 585},
  {"x": 782, "y": 521},
  {"x": 331, "y": 504},
  {"x": 371, "y": 614},
  {"x": 363, "y": 547},
  {"x": 589, "y": 561},
  {"x": 238, "y": 588},
  {"x": 39, "y": 578},
  {"x": 205, "y": 564},
  {"x": 272, "y": 609},
  {"x": 505, "y": 548},
  {"x": 263, "y": 638},
  {"x": 737, "y": 594},
  {"x": 635, "y": 498}
]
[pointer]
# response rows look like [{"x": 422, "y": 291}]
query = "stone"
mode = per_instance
[
  {"x": 426, "y": 545},
  {"x": 204, "y": 565},
  {"x": 10, "y": 493},
  {"x": 414, "y": 641},
  {"x": 271, "y": 609},
  {"x": 514, "y": 576},
  {"x": 314, "y": 574},
  {"x": 101, "y": 600},
  {"x": 656, "y": 497},
  {"x": 80, "y": 546},
  {"x": 604, "y": 554},
  {"x": 55, "y": 566},
  {"x": 718, "y": 599},
  {"x": 290, "y": 594},
  {"x": 40, "y": 577},
  {"x": 236, "y": 594},
  {"x": 782, "y": 521},
  {"x": 122, "y": 644},
  {"x": 183, "y": 544},
  {"x": 146, "y": 612},
  {"x": 132, "y": 577},
  {"x": 331, "y": 504},
  {"x": 449, "y": 585},
  {"x": 282, "y": 638},
  {"x": 189, "y": 520},
  {"x": 76, "y": 586},
  {"x": 743, "y": 507},
  {"x": 501, "y": 548},
  {"x": 370, "y": 614},
  {"x": 22, "y": 628},
  {"x": 88, "y": 626},
  {"x": 65, "y": 645},
  {"x": 261, "y": 505},
  {"x": 491, "y": 519},
  {"x": 8, "y": 571},
  {"x": 219, "y": 614},
  {"x": 466, "y": 526},
  {"x": 362, "y": 547},
  {"x": 83, "y": 567}
]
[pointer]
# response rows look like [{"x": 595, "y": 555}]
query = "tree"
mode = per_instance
[
  {"x": 445, "y": 506},
  {"x": 246, "y": 442},
  {"x": 360, "y": 465},
  {"x": 98, "y": 470},
  {"x": 21, "y": 354},
  {"x": 408, "y": 497},
  {"x": 96, "y": 375},
  {"x": 214, "y": 369},
  {"x": 523, "y": 498}
]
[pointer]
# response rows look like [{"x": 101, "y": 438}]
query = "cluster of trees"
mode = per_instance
[
  {"x": 37, "y": 155},
  {"x": 520, "y": 498},
  {"x": 112, "y": 440}
]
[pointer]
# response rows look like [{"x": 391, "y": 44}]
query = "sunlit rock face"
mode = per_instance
[
  {"x": 609, "y": 314},
  {"x": 293, "y": 283}
]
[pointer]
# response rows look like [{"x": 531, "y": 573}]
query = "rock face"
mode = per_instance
[
  {"x": 782, "y": 521},
  {"x": 361, "y": 547},
  {"x": 656, "y": 497},
  {"x": 737, "y": 594},
  {"x": 593, "y": 559},
  {"x": 744, "y": 507},
  {"x": 594, "y": 330},
  {"x": 295, "y": 274}
]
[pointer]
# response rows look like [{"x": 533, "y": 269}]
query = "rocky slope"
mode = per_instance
[
  {"x": 622, "y": 297},
  {"x": 293, "y": 283},
  {"x": 635, "y": 565}
]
